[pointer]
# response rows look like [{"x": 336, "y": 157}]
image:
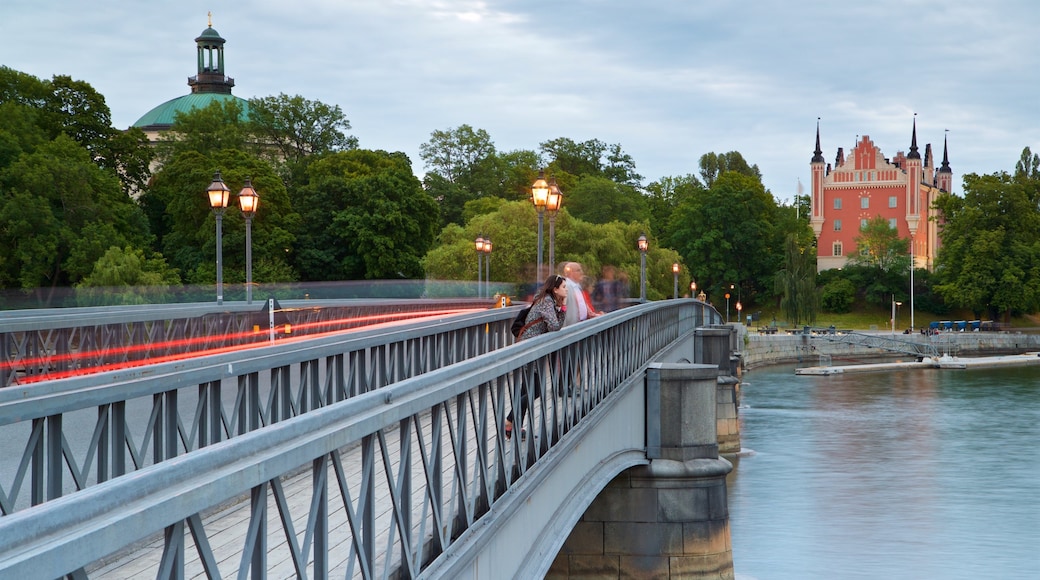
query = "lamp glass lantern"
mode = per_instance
[
  {"x": 248, "y": 202},
  {"x": 643, "y": 246},
  {"x": 479, "y": 245},
  {"x": 219, "y": 193},
  {"x": 540, "y": 196}
]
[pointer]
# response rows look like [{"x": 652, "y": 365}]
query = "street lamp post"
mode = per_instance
[
  {"x": 643, "y": 245},
  {"x": 552, "y": 205},
  {"x": 480, "y": 265},
  {"x": 540, "y": 195},
  {"x": 727, "y": 307},
  {"x": 693, "y": 288},
  {"x": 894, "y": 304},
  {"x": 218, "y": 199},
  {"x": 248, "y": 201},
  {"x": 487, "y": 265},
  {"x": 675, "y": 280},
  {"x": 739, "y": 309}
]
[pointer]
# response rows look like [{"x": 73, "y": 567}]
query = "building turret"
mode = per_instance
[
  {"x": 210, "y": 77},
  {"x": 816, "y": 218},
  {"x": 945, "y": 176}
]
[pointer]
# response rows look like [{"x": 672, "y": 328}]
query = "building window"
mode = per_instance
[
  {"x": 837, "y": 225},
  {"x": 837, "y": 203},
  {"x": 892, "y": 201},
  {"x": 892, "y": 223},
  {"x": 863, "y": 223},
  {"x": 864, "y": 203},
  {"x": 836, "y": 249}
]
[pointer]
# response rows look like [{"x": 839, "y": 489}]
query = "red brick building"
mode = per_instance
[{"x": 866, "y": 184}]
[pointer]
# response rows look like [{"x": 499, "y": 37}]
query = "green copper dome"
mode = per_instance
[{"x": 162, "y": 115}]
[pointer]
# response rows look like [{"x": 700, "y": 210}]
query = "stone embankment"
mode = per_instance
[{"x": 807, "y": 349}]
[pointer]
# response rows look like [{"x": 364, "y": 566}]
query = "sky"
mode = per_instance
[{"x": 668, "y": 80}]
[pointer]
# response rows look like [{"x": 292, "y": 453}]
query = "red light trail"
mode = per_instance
[{"x": 201, "y": 346}]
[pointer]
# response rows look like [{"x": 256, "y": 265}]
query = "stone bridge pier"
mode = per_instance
[{"x": 668, "y": 519}]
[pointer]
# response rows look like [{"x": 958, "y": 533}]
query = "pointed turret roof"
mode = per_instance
[
  {"x": 914, "y": 154},
  {"x": 945, "y": 168},
  {"x": 818, "y": 154}
]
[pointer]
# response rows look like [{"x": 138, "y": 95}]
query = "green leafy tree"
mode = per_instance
[
  {"x": 729, "y": 235},
  {"x": 297, "y": 130},
  {"x": 838, "y": 295},
  {"x": 879, "y": 246},
  {"x": 663, "y": 197},
  {"x": 796, "y": 283},
  {"x": 126, "y": 276},
  {"x": 60, "y": 212},
  {"x": 365, "y": 216},
  {"x": 601, "y": 200},
  {"x": 713, "y": 165},
  {"x": 462, "y": 165},
  {"x": 989, "y": 260},
  {"x": 178, "y": 205},
  {"x": 207, "y": 131}
]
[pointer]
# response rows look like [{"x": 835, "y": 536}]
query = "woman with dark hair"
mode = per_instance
[{"x": 547, "y": 313}]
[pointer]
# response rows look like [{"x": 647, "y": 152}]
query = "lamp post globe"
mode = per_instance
[
  {"x": 479, "y": 245},
  {"x": 540, "y": 196},
  {"x": 487, "y": 265},
  {"x": 552, "y": 205},
  {"x": 218, "y": 194},
  {"x": 248, "y": 202},
  {"x": 643, "y": 246}
]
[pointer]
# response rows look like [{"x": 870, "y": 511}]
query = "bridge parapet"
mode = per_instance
[{"x": 426, "y": 433}]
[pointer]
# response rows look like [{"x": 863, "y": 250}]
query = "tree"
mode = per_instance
[
  {"x": 180, "y": 212},
  {"x": 462, "y": 165},
  {"x": 713, "y": 165},
  {"x": 365, "y": 216},
  {"x": 60, "y": 212},
  {"x": 298, "y": 129},
  {"x": 796, "y": 283},
  {"x": 879, "y": 246},
  {"x": 729, "y": 235},
  {"x": 600, "y": 200},
  {"x": 989, "y": 260},
  {"x": 126, "y": 276}
]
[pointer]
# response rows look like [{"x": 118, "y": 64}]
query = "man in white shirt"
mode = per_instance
[{"x": 578, "y": 305}]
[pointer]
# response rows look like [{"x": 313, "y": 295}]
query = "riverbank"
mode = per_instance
[{"x": 810, "y": 350}]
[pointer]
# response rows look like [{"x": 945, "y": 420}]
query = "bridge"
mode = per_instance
[{"x": 378, "y": 452}]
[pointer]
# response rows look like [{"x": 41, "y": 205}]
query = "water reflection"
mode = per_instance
[{"x": 915, "y": 474}]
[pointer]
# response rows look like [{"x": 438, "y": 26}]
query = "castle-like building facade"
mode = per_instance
[{"x": 866, "y": 185}]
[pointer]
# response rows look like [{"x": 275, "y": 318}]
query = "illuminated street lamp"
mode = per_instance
[
  {"x": 552, "y": 205},
  {"x": 727, "y": 307},
  {"x": 675, "y": 280},
  {"x": 248, "y": 201},
  {"x": 480, "y": 265},
  {"x": 487, "y": 265},
  {"x": 643, "y": 245},
  {"x": 218, "y": 199},
  {"x": 739, "y": 308},
  {"x": 540, "y": 196},
  {"x": 894, "y": 305}
]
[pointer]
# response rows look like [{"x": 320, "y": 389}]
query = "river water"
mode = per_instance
[{"x": 923, "y": 474}]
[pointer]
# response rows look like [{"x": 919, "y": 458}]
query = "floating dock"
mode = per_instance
[{"x": 945, "y": 362}]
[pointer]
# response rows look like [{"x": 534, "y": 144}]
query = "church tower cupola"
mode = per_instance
[{"x": 210, "y": 77}]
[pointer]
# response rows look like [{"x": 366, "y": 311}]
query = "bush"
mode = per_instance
[{"x": 838, "y": 296}]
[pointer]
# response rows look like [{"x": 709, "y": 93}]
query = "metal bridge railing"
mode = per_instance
[
  {"x": 933, "y": 348},
  {"x": 45, "y": 345},
  {"x": 65, "y": 435},
  {"x": 386, "y": 418}
]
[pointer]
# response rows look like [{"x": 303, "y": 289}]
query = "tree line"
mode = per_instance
[{"x": 85, "y": 205}]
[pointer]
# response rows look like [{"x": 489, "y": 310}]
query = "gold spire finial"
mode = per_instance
[{"x": 209, "y": 15}]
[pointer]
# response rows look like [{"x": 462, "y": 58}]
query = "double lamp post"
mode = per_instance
[
  {"x": 547, "y": 197},
  {"x": 248, "y": 201}
]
